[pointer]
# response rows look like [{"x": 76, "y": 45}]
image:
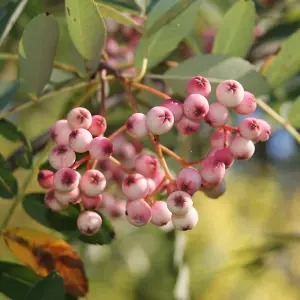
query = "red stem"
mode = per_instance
[{"x": 80, "y": 162}]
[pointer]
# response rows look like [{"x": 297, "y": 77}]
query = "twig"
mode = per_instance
[
  {"x": 117, "y": 132},
  {"x": 131, "y": 97},
  {"x": 120, "y": 165},
  {"x": 102, "y": 83}
]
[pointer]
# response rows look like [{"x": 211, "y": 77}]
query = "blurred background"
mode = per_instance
[{"x": 247, "y": 243}]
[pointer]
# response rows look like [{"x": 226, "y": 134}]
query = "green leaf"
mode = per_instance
[
  {"x": 50, "y": 288},
  {"x": 65, "y": 221},
  {"x": 216, "y": 68},
  {"x": 7, "y": 90},
  {"x": 294, "y": 113},
  {"x": 111, "y": 13},
  {"x": 16, "y": 280},
  {"x": 37, "y": 51},
  {"x": 8, "y": 184},
  {"x": 121, "y": 5},
  {"x": 170, "y": 15},
  {"x": 9, "y": 14},
  {"x": 159, "y": 45},
  {"x": 235, "y": 34},
  {"x": 9, "y": 131},
  {"x": 3, "y": 163},
  {"x": 286, "y": 63},
  {"x": 86, "y": 27}
]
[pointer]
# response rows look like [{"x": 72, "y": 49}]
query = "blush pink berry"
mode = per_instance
[
  {"x": 247, "y": 106},
  {"x": 217, "y": 116},
  {"x": 198, "y": 85},
  {"x": 159, "y": 120},
  {"x": 92, "y": 182},
  {"x": 265, "y": 131},
  {"x": 138, "y": 213},
  {"x": 135, "y": 186},
  {"x": 101, "y": 148},
  {"x": 187, "y": 126},
  {"x": 45, "y": 179},
  {"x": 188, "y": 180},
  {"x": 91, "y": 202},
  {"x": 249, "y": 128},
  {"x": 186, "y": 222},
  {"x": 51, "y": 202},
  {"x": 160, "y": 213},
  {"x": 242, "y": 148},
  {"x": 60, "y": 132},
  {"x": 146, "y": 164},
  {"x": 61, "y": 156},
  {"x": 89, "y": 222},
  {"x": 80, "y": 140},
  {"x": 175, "y": 107},
  {"x": 195, "y": 106},
  {"x": 225, "y": 156},
  {"x": 66, "y": 180},
  {"x": 136, "y": 126},
  {"x": 212, "y": 170},
  {"x": 230, "y": 93},
  {"x": 68, "y": 198},
  {"x": 98, "y": 126},
  {"x": 79, "y": 118},
  {"x": 179, "y": 203}
]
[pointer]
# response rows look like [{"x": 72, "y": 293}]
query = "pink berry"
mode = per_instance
[
  {"x": 170, "y": 188},
  {"x": 89, "y": 222},
  {"x": 217, "y": 116},
  {"x": 107, "y": 200},
  {"x": 151, "y": 186},
  {"x": 118, "y": 144},
  {"x": 51, "y": 202},
  {"x": 158, "y": 177},
  {"x": 230, "y": 93},
  {"x": 79, "y": 118},
  {"x": 212, "y": 170},
  {"x": 187, "y": 126},
  {"x": 117, "y": 208},
  {"x": 195, "y": 107},
  {"x": 249, "y": 129},
  {"x": 45, "y": 179},
  {"x": 225, "y": 156},
  {"x": 188, "y": 180},
  {"x": 61, "y": 156},
  {"x": 101, "y": 148},
  {"x": 136, "y": 126},
  {"x": 138, "y": 213},
  {"x": 60, "y": 132},
  {"x": 217, "y": 139},
  {"x": 159, "y": 120},
  {"x": 91, "y": 202},
  {"x": 242, "y": 148},
  {"x": 98, "y": 126},
  {"x": 112, "y": 47},
  {"x": 247, "y": 106},
  {"x": 216, "y": 191},
  {"x": 198, "y": 85},
  {"x": 160, "y": 213},
  {"x": 79, "y": 140},
  {"x": 68, "y": 198},
  {"x": 129, "y": 201},
  {"x": 179, "y": 203},
  {"x": 135, "y": 186},
  {"x": 175, "y": 107},
  {"x": 265, "y": 131},
  {"x": 66, "y": 180},
  {"x": 92, "y": 183},
  {"x": 146, "y": 164},
  {"x": 186, "y": 222}
]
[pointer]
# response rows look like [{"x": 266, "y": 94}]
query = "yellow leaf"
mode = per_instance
[{"x": 45, "y": 254}]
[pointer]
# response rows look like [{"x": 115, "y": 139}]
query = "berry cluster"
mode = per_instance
[{"x": 138, "y": 172}]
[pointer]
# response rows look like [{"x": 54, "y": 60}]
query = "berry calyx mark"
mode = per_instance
[
  {"x": 81, "y": 116},
  {"x": 232, "y": 87},
  {"x": 95, "y": 179},
  {"x": 74, "y": 133},
  {"x": 61, "y": 149},
  {"x": 179, "y": 201},
  {"x": 200, "y": 81},
  {"x": 67, "y": 178},
  {"x": 198, "y": 111}
]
